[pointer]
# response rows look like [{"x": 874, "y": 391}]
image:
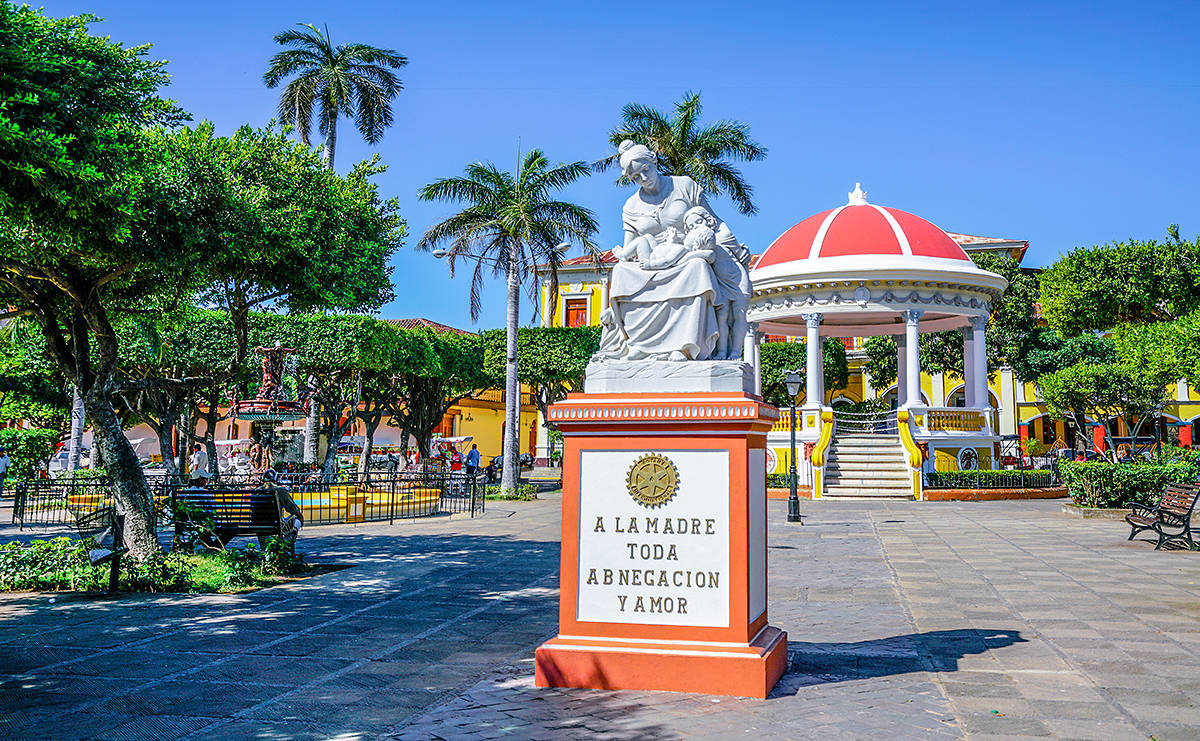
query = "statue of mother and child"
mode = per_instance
[{"x": 682, "y": 283}]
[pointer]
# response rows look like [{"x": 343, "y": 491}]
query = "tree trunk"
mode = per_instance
[
  {"x": 330, "y": 139},
  {"x": 312, "y": 425},
  {"x": 210, "y": 431},
  {"x": 130, "y": 490},
  {"x": 370, "y": 425},
  {"x": 77, "y": 426},
  {"x": 164, "y": 434},
  {"x": 512, "y": 388}
]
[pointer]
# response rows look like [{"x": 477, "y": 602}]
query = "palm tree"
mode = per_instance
[
  {"x": 685, "y": 150},
  {"x": 510, "y": 224},
  {"x": 351, "y": 79}
]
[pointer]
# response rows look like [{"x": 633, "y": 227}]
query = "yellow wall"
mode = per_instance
[{"x": 558, "y": 319}]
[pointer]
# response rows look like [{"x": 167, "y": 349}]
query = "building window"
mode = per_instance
[{"x": 576, "y": 311}]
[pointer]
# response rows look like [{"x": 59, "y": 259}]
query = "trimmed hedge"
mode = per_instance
[
  {"x": 1103, "y": 484},
  {"x": 986, "y": 479}
]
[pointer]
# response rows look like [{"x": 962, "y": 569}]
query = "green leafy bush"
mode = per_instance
[
  {"x": 523, "y": 493},
  {"x": 240, "y": 565},
  {"x": 28, "y": 449},
  {"x": 159, "y": 572},
  {"x": 987, "y": 479},
  {"x": 279, "y": 558},
  {"x": 1102, "y": 484},
  {"x": 779, "y": 480},
  {"x": 249, "y": 566},
  {"x": 60, "y": 563}
]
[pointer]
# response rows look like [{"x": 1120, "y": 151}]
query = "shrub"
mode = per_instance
[
  {"x": 60, "y": 563},
  {"x": 779, "y": 480},
  {"x": 158, "y": 572},
  {"x": 240, "y": 565},
  {"x": 987, "y": 479},
  {"x": 1102, "y": 484},
  {"x": 279, "y": 557},
  {"x": 28, "y": 449},
  {"x": 523, "y": 493}
]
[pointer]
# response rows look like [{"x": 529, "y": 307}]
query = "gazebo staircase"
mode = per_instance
[{"x": 867, "y": 466}]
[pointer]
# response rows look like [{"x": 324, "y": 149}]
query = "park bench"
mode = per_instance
[
  {"x": 1171, "y": 518},
  {"x": 234, "y": 513},
  {"x": 104, "y": 527}
]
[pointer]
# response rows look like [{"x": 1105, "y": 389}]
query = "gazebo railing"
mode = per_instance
[{"x": 865, "y": 423}]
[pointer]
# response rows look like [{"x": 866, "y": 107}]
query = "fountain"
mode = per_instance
[{"x": 270, "y": 405}]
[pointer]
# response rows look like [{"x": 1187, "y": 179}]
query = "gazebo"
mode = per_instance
[{"x": 861, "y": 270}]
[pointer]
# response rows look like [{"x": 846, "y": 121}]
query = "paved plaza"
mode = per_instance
[{"x": 906, "y": 620}]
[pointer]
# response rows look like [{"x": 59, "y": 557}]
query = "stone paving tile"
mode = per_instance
[{"x": 906, "y": 620}]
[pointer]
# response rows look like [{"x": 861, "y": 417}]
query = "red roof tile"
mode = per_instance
[{"x": 421, "y": 323}]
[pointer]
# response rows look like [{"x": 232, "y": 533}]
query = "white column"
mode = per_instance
[
  {"x": 603, "y": 296},
  {"x": 979, "y": 350},
  {"x": 901, "y": 375},
  {"x": 750, "y": 354},
  {"x": 969, "y": 369},
  {"x": 815, "y": 371},
  {"x": 1008, "y": 402},
  {"x": 912, "y": 355}
]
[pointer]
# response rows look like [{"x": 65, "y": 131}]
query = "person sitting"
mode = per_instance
[{"x": 490, "y": 470}]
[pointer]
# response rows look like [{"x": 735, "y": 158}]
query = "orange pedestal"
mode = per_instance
[{"x": 663, "y": 575}]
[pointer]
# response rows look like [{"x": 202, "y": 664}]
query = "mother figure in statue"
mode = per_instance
[{"x": 681, "y": 285}]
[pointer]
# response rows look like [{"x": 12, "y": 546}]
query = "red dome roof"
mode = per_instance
[{"x": 861, "y": 228}]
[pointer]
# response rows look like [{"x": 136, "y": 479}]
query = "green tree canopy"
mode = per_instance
[
  {"x": 279, "y": 231},
  {"x": 1102, "y": 392},
  {"x": 91, "y": 226},
  {"x": 1132, "y": 282},
  {"x": 1046, "y": 351},
  {"x": 551, "y": 360},
  {"x": 684, "y": 147},
  {"x": 1170, "y": 349}
]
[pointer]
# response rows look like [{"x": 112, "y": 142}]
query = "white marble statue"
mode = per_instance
[{"x": 682, "y": 284}]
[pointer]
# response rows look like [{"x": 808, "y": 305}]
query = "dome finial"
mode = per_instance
[{"x": 858, "y": 197}]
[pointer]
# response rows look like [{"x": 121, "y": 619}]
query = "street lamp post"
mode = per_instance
[{"x": 792, "y": 380}]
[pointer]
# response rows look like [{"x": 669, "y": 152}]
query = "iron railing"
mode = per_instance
[
  {"x": 866, "y": 423},
  {"x": 996, "y": 479},
  {"x": 44, "y": 502},
  {"x": 341, "y": 498}
]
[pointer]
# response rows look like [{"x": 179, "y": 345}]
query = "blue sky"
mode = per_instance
[{"x": 1064, "y": 124}]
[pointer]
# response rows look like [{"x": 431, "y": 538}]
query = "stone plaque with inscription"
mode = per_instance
[{"x": 644, "y": 561}]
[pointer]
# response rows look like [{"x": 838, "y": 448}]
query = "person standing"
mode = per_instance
[
  {"x": 198, "y": 466},
  {"x": 473, "y": 460},
  {"x": 5, "y": 463}
]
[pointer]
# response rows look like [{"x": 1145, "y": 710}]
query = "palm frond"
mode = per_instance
[
  {"x": 729, "y": 179},
  {"x": 373, "y": 56},
  {"x": 687, "y": 111},
  {"x": 459, "y": 189},
  {"x": 729, "y": 139},
  {"x": 683, "y": 149}
]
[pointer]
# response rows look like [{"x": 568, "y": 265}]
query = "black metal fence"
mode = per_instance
[{"x": 344, "y": 498}]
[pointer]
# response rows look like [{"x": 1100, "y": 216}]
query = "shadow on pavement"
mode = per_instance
[{"x": 933, "y": 651}]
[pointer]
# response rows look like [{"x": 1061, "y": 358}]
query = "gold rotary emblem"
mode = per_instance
[{"x": 653, "y": 480}]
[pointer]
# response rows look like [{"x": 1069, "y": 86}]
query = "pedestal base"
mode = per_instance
[{"x": 742, "y": 670}]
